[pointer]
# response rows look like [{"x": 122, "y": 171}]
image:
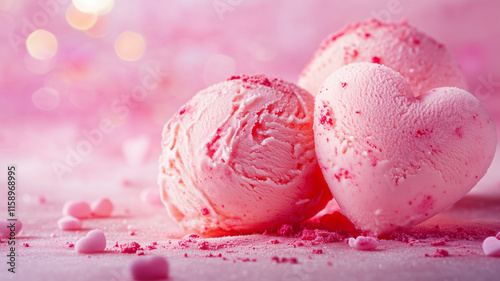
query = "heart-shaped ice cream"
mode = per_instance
[
  {"x": 94, "y": 242},
  {"x": 393, "y": 160}
]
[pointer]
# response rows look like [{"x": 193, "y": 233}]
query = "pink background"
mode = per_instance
[{"x": 63, "y": 153}]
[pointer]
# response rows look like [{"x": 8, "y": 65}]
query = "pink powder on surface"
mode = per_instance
[
  {"x": 285, "y": 230},
  {"x": 441, "y": 242},
  {"x": 130, "y": 248},
  {"x": 440, "y": 253},
  {"x": 284, "y": 260}
]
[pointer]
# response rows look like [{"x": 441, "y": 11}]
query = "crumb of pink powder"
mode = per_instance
[
  {"x": 284, "y": 260},
  {"x": 285, "y": 230},
  {"x": 308, "y": 234},
  {"x": 130, "y": 248},
  {"x": 213, "y": 256},
  {"x": 440, "y": 242},
  {"x": 26, "y": 244},
  {"x": 317, "y": 251},
  {"x": 440, "y": 253}
]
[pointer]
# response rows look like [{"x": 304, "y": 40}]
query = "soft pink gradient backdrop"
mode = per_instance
[{"x": 193, "y": 45}]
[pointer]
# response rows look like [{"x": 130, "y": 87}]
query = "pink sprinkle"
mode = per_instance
[
  {"x": 185, "y": 255},
  {"x": 152, "y": 268},
  {"x": 204, "y": 211},
  {"x": 70, "y": 245},
  {"x": 440, "y": 253},
  {"x": 77, "y": 209},
  {"x": 130, "y": 248},
  {"x": 376, "y": 60},
  {"x": 363, "y": 243},
  {"x": 491, "y": 246},
  {"x": 26, "y": 244},
  {"x": 343, "y": 84},
  {"x": 131, "y": 233},
  {"x": 140, "y": 253},
  {"x": 102, "y": 207},
  {"x": 69, "y": 223},
  {"x": 317, "y": 251},
  {"x": 94, "y": 242}
]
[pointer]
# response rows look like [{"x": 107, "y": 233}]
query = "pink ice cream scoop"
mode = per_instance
[
  {"x": 425, "y": 63},
  {"x": 239, "y": 157},
  {"x": 392, "y": 159}
]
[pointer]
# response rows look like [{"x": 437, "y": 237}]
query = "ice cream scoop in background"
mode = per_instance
[
  {"x": 425, "y": 63},
  {"x": 394, "y": 160},
  {"x": 239, "y": 157}
]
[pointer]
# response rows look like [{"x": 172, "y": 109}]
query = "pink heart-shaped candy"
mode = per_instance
[
  {"x": 394, "y": 160},
  {"x": 94, "y": 242},
  {"x": 363, "y": 243},
  {"x": 152, "y": 268},
  {"x": 77, "y": 209},
  {"x": 6, "y": 227},
  {"x": 102, "y": 207},
  {"x": 491, "y": 247},
  {"x": 69, "y": 223},
  {"x": 151, "y": 196}
]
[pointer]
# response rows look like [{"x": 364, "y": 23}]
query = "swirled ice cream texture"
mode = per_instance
[{"x": 240, "y": 157}]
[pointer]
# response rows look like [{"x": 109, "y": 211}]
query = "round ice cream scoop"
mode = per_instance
[
  {"x": 239, "y": 157},
  {"x": 425, "y": 63}
]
